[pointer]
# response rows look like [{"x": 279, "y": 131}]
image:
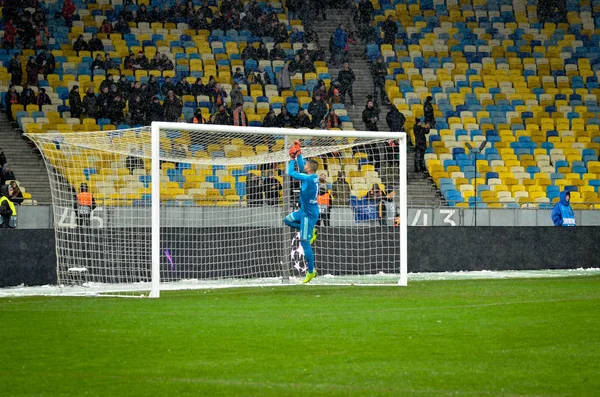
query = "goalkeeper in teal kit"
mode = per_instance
[{"x": 306, "y": 217}]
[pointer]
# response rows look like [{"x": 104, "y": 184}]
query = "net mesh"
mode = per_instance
[{"x": 224, "y": 193}]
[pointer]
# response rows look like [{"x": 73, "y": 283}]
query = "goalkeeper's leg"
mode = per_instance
[
  {"x": 307, "y": 226},
  {"x": 294, "y": 219}
]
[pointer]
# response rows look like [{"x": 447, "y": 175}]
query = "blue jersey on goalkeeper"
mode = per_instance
[{"x": 309, "y": 189}]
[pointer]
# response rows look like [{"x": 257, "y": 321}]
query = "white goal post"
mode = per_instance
[{"x": 181, "y": 205}]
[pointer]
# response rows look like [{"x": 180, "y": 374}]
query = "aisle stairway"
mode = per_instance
[
  {"x": 421, "y": 190},
  {"x": 29, "y": 169}
]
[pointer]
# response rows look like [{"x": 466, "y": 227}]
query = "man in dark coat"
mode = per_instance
[
  {"x": 420, "y": 145},
  {"x": 428, "y": 111}
]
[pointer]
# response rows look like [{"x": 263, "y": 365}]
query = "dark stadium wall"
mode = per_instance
[{"x": 28, "y": 256}]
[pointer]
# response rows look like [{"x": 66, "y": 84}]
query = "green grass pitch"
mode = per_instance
[{"x": 433, "y": 338}]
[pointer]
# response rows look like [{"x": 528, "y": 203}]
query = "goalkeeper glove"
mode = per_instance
[{"x": 295, "y": 150}]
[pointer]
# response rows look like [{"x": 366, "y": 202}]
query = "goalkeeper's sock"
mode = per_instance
[
  {"x": 314, "y": 236},
  {"x": 309, "y": 256}
]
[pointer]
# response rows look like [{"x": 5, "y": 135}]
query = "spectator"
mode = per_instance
[
  {"x": 420, "y": 145},
  {"x": 109, "y": 63},
  {"x": 262, "y": 53},
  {"x": 217, "y": 96},
  {"x": 562, "y": 213},
  {"x": 89, "y": 104},
  {"x": 332, "y": 120},
  {"x": 123, "y": 86},
  {"x": 249, "y": 52},
  {"x": 262, "y": 77},
  {"x": 284, "y": 78},
  {"x": 14, "y": 193},
  {"x": 75, "y": 104},
  {"x": 254, "y": 191},
  {"x": 340, "y": 190},
  {"x": 137, "y": 111},
  {"x": 390, "y": 30},
  {"x": 294, "y": 64},
  {"x": 116, "y": 110},
  {"x": 67, "y": 12},
  {"x": 46, "y": 62},
  {"x": 6, "y": 174},
  {"x": 340, "y": 42},
  {"x": 98, "y": 63},
  {"x": 143, "y": 15},
  {"x": 277, "y": 54},
  {"x": 122, "y": 26},
  {"x": 2, "y": 159},
  {"x": 12, "y": 98},
  {"x": 103, "y": 102},
  {"x": 221, "y": 117},
  {"x": 346, "y": 77},
  {"x": 80, "y": 45},
  {"x": 42, "y": 36},
  {"x": 156, "y": 111},
  {"x": 183, "y": 87},
  {"x": 126, "y": 14},
  {"x": 106, "y": 27},
  {"x": 43, "y": 99},
  {"x": 198, "y": 88},
  {"x": 173, "y": 107},
  {"x": 321, "y": 90},
  {"x": 395, "y": 120},
  {"x": 306, "y": 65},
  {"x": 284, "y": 119},
  {"x": 378, "y": 72},
  {"x": 28, "y": 96},
  {"x": 140, "y": 62},
  {"x": 302, "y": 120},
  {"x": 133, "y": 161},
  {"x": 238, "y": 76},
  {"x": 296, "y": 36},
  {"x": 370, "y": 116},
  {"x": 378, "y": 197},
  {"x": 239, "y": 116},
  {"x": 324, "y": 201},
  {"x": 337, "y": 98},
  {"x": 281, "y": 35},
  {"x": 317, "y": 109},
  {"x": 85, "y": 205},
  {"x": 198, "y": 117},
  {"x": 15, "y": 69},
  {"x": 167, "y": 86},
  {"x": 156, "y": 15},
  {"x": 32, "y": 72},
  {"x": 236, "y": 94},
  {"x": 153, "y": 88},
  {"x": 270, "y": 120},
  {"x": 9, "y": 35},
  {"x": 272, "y": 188},
  {"x": 428, "y": 112},
  {"x": 8, "y": 210}
]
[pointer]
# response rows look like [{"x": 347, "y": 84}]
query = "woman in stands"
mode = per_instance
[
  {"x": 32, "y": 72},
  {"x": 14, "y": 193}
]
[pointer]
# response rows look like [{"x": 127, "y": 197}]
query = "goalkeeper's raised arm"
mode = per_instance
[{"x": 306, "y": 217}]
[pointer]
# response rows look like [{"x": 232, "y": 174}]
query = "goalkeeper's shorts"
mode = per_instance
[{"x": 307, "y": 223}]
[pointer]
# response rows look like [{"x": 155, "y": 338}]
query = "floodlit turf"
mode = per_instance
[{"x": 477, "y": 338}]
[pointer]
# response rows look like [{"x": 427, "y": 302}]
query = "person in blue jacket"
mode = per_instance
[
  {"x": 307, "y": 216},
  {"x": 562, "y": 214}
]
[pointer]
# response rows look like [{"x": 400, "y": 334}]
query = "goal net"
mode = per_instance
[{"x": 179, "y": 205}]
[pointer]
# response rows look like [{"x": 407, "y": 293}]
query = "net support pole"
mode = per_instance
[
  {"x": 155, "y": 173},
  {"x": 403, "y": 213}
]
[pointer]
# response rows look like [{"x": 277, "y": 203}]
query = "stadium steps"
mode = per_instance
[
  {"x": 29, "y": 169},
  {"x": 421, "y": 189}
]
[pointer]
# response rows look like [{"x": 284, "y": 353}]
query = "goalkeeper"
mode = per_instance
[{"x": 306, "y": 217}]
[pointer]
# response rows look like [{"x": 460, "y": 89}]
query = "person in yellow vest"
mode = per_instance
[
  {"x": 8, "y": 210},
  {"x": 85, "y": 205},
  {"x": 324, "y": 202}
]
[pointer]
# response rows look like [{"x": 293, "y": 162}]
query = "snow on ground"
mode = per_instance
[{"x": 141, "y": 289}]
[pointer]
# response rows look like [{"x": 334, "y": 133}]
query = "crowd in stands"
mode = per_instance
[{"x": 129, "y": 100}]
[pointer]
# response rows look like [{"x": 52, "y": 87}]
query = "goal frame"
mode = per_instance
[{"x": 157, "y": 126}]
